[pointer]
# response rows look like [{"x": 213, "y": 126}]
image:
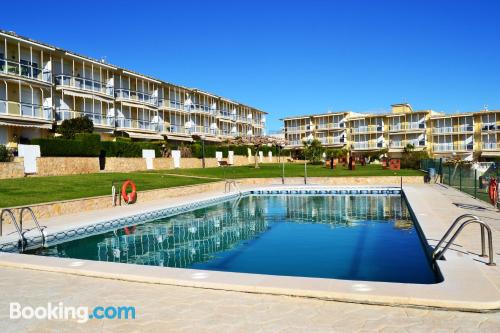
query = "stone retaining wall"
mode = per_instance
[
  {"x": 57, "y": 166},
  {"x": 13, "y": 169}
]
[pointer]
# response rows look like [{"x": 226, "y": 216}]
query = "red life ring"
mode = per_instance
[
  {"x": 131, "y": 197},
  {"x": 129, "y": 230},
  {"x": 493, "y": 191}
]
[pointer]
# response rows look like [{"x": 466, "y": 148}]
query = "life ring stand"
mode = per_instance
[
  {"x": 493, "y": 191},
  {"x": 131, "y": 197}
]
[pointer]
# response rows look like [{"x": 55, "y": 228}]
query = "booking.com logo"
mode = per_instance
[{"x": 61, "y": 312}]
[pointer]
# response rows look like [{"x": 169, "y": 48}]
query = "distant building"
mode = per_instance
[{"x": 466, "y": 135}]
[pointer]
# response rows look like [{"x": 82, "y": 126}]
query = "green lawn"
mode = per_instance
[{"x": 31, "y": 190}]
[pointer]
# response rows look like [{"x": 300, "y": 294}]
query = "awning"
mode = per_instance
[
  {"x": 20, "y": 124},
  {"x": 211, "y": 139},
  {"x": 490, "y": 154},
  {"x": 140, "y": 106},
  {"x": 179, "y": 138},
  {"x": 87, "y": 95},
  {"x": 144, "y": 136}
]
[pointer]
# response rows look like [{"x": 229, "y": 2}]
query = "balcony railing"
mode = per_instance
[
  {"x": 180, "y": 129},
  {"x": 295, "y": 142},
  {"x": 136, "y": 124},
  {"x": 297, "y": 128},
  {"x": 173, "y": 104},
  {"x": 406, "y": 126},
  {"x": 441, "y": 147},
  {"x": 330, "y": 126},
  {"x": 203, "y": 108},
  {"x": 25, "y": 69},
  {"x": 136, "y": 96},
  {"x": 97, "y": 118},
  {"x": 225, "y": 115},
  {"x": 450, "y": 129},
  {"x": 368, "y": 145},
  {"x": 403, "y": 144},
  {"x": 203, "y": 130},
  {"x": 25, "y": 110},
  {"x": 331, "y": 140},
  {"x": 83, "y": 84},
  {"x": 368, "y": 129},
  {"x": 491, "y": 146}
]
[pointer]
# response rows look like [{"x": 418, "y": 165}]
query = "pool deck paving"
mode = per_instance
[{"x": 167, "y": 308}]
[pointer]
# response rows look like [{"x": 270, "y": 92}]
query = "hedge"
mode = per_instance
[
  {"x": 69, "y": 148},
  {"x": 89, "y": 145}
]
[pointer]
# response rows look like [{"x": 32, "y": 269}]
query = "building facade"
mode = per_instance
[
  {"x": 41, "y": 85},
  {"x": 467, "y": 135}
]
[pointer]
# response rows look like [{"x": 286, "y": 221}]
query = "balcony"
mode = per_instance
[
  {"x": 451, "y": 130},
  {"x": 136, "y": 124},
  {"x": 450, "y": 147},
  {"x": 135, "y": 96},
  {"x": 84, "y": 84},
  {"x": 25, "y": 70},
  {"x": 202, "y": 108},
  {"x": 402, "y": 144},
  {"x": 97, "y": 118},
  {"x": 491, "y": 146},
  {"x": 368, "y": 129},
  {"x": 331, "y": 140},
  {"x": 178, "y": 129},
  {"x": 407, "y": 126},
  {"x": 225, "y": 115},
  {"x": 330, "y": 126},
  {"x": 302, "y": 128},
  {"x": 171, "y": 104},
  {"x": 25, "y": 110},
  {"x": 367, "y": 145},
  {"x": 203, "y": 130},
  {"x": 295, "y": 142}
]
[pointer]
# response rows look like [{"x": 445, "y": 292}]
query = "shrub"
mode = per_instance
[
  {"x": 70, "y": 148},
  {"x": 70, "y": 127},
  {"x": 411, "y": 158},
  {"x": 128, "y": 149},
  {"x": 5, "y": 154}
]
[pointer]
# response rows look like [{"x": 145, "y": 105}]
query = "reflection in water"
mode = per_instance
[{"x": 197, "y": 236}]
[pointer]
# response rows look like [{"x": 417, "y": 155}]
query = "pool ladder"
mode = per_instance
[
  {"x": 229, "y": 183},
  {"x": 469, "y": 219},
  {"x": 19, "y": 226}
]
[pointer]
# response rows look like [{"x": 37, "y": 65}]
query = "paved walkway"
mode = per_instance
[{"x": 162, "y": 308}]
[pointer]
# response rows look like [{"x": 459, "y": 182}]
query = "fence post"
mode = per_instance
[
  {"x": 475, "y": 183},
  {"x": 460, "y": 173}
]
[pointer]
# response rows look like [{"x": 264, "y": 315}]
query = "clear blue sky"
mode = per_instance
[{"x": 290, "y": 57}]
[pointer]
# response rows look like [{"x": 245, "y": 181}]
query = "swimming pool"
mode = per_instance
[{"x": 356, "y": 237}]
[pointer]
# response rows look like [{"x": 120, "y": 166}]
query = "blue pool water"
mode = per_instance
[{"x": 368, "y": 238}]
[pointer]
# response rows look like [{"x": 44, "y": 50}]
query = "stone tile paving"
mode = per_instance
[{"x": 162, "y": 308}]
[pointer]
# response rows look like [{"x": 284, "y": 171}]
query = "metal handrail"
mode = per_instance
[
  {"x": 22, "y": 240},
  {"x": 227, "y": 186},
  {"x": 34, "y": 220},
  {"x": 437, "y": 255},
  {"x": 450, "y": 229}
]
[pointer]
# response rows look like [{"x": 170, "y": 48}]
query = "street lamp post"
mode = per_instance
[
  {"x": 282, "y": 166},
  {"x": 202, "y": 151},
  {"x": 309, "y": 139}
]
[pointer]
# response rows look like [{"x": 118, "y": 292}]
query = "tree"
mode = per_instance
[
  {"x": 313, "y": 150},
  {"x": 70, "y": 127},
  {"x": 258, "y": 142}
]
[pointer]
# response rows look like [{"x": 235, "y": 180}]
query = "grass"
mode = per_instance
[{"x": 32, "y": 190}]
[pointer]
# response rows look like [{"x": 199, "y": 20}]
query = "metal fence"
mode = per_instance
[{"x": 473, "y": 178}]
